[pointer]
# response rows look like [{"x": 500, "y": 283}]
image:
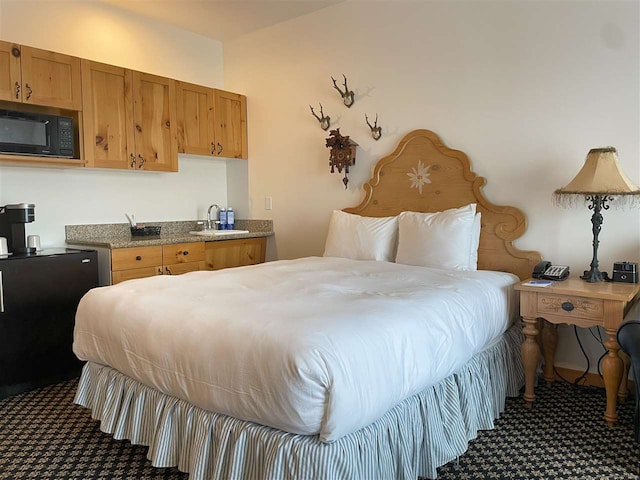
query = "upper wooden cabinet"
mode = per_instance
[
  {"x": 125, "y": 119},
  {"x": 129, "y": 119},
  {"x": 10, "y": 79},
  {"x": 211, "y": 121},
  {"x": 39, "y": 77},
  {"x": 154, "y": 113},
  {"x": 195, "y": 119},
  {"x": 108, "y": 116},
  {"x": 230, "y": 124}
]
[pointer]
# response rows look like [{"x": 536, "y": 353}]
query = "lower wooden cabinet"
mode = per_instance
[
  {"x": 135, "y": 262},
  {"x": 182, "y": 258},
  {"x": 235, "y": 253},
  {"x": 175, "y": 259}
]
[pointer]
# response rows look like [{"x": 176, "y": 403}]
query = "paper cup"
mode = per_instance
[{"x": 33, "y": 241}]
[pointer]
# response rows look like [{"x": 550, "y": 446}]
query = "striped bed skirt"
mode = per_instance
[{"x": 413, "y": 439}]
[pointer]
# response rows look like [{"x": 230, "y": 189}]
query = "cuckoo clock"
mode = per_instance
[{"x": 343, "y": 153}]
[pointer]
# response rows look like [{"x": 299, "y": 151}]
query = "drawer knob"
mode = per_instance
[
  {"x": 567, "y": 306},
  {"x": 186, "y": 252},
  {"x": 138, "y": 258}
]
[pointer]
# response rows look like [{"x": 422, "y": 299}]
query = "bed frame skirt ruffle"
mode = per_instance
[{"x": 413, "y": 439}]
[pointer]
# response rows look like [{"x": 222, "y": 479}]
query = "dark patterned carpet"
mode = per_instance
[{"x": 44, "y": 436}]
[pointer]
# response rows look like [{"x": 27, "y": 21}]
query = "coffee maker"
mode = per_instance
[{"x": 13, "y": 218}]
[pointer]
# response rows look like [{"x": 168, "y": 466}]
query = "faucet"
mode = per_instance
[{"x": 213, "y": 223}]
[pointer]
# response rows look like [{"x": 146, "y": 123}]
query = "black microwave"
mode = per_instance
[{"x": 26, "y": 133}]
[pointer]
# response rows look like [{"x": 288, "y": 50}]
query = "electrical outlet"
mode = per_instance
[{"x": 268, "y": 203}]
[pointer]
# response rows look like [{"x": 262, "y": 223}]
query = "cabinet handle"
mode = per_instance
[
  {"x": 213, "y": 145},
  {"x": 168, "y": 271},
  {"x": 133, "y": 160},
  {"x": 567, "y": 306},
  {"x": 159, "y": 271},
  {"x": 17, "y": 90},
  {"x": 29, "y": 91},
  {"x": 15, "y": 51},
  {"x": 138, "y": 258},
  {"x": 220, "y": 148},
  {"x": 141, "y": 161},
  {"x": 186, "y": 252}
]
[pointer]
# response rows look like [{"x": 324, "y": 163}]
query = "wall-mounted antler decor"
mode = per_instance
[
  {"x": 376, "y": 131},
  {"x": 325, "y": 121},
  {"x": 348, "y": 97},
  {"x": 343, "y": 153}
]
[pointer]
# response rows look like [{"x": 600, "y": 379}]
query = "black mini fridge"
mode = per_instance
[{"x": 39, "y": 295}]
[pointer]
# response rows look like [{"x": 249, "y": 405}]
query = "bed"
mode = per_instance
[{"x": 328, "y": 367}]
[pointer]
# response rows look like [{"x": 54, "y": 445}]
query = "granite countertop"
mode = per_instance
[{"x": 118, "y": 235}]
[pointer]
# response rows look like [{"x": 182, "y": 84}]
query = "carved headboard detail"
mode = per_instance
[{"x": 424, "y": 175}]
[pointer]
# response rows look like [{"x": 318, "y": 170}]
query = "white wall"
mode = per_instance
[
  {"x": 76, "y": 196},
  {"x": 71, "y": 196},
  {"x": 107, "y": 34},
  {"x": 524, "y": 88}
]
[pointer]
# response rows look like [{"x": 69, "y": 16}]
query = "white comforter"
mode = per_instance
[{"x": 311, "y": 346}]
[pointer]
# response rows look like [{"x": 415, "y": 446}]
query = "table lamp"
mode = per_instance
[{"x": 600, "y": 181}]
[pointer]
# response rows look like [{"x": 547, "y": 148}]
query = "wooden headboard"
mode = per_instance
[{"x": 423, "y": 175}]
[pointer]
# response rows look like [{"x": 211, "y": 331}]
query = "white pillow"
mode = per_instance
[
  {"x": 361, "y": 238},
  {"x": 475, "y": 241},
  {"x": 440, "y": 239}
]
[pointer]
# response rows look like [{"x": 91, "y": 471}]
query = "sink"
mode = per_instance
[{"x": 211, "y": 232}]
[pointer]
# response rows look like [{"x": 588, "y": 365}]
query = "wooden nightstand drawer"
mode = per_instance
[
  {"x": 183, "y": 253},
  {"x": 571, "y": 306},
  {"x": 136, "y": 257}
]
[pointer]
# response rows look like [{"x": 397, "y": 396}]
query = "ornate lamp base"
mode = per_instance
[
  {"x": 598, "y": 203},
  {"x": 595, "y": 275}
]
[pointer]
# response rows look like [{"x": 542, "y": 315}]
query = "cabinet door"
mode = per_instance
[
  {"x": 108, "y": 116},
  {"x": 180, "y": 268},
  {"x": 230, "y": 124},
  {"x": 235, "y": 253},
  {"x": 182, "y": 253},
  {"x": 50, "y": 79},
  {"x": 123, "y": 275},
  {"x": 154, "y": 112},
  {"x": 181, "y": 258},
  {"x": 10, "y": 81},
  {"x": 195, "y": 119},
  {"x": 135, "y": 257}
]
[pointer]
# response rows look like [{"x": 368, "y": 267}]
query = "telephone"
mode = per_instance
[{"x": 547, "y": 271}]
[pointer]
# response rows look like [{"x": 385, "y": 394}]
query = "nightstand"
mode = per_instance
[{"x": 576, "y": 302}]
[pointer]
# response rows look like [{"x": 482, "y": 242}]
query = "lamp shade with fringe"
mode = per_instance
[{"x": 600, "y": 174}]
